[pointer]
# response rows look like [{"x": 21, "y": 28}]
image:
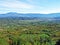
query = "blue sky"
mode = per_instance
[{"x": 30, "y": 6}]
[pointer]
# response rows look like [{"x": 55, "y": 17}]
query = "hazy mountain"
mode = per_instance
[
  {"x": 54, "y": 16},
  {"x": 30, "y": 15}
]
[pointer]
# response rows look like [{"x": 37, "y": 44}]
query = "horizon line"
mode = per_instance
[{"x": 29, "y": 13}]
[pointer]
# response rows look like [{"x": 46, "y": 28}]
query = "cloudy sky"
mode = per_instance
[{"x": 30, "y": 6}]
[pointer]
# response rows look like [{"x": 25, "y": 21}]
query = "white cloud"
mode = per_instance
[
  {"x": 16, "y": 5},
  {"x": 23, "y": 7},
  {"x": 52, "y": 10}
]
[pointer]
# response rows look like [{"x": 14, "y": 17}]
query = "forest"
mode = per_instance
[{"x": 14, "y": 31}]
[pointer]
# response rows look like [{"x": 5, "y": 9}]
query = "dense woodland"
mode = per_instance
[{"x": 14, "y": 31}]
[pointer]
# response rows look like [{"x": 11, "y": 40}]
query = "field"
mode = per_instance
[{"x": 28, "y": 32}]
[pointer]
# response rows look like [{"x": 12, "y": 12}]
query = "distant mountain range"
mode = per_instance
[{"x": 31, "y": 16}]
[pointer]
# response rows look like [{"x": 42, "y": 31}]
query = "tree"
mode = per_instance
[
  {"x": 44, "y": 38},
  {"x": 10, "y": 41},
  {"x": 31, "y": 41}
]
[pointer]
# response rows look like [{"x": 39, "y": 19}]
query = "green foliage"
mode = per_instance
[{"x": 28, "y": 32}]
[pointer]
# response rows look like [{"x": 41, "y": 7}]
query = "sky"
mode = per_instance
[{"x": 30, "y": 6}]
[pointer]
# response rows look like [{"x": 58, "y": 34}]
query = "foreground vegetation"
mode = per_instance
[{"x": 28, "y": 32}]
